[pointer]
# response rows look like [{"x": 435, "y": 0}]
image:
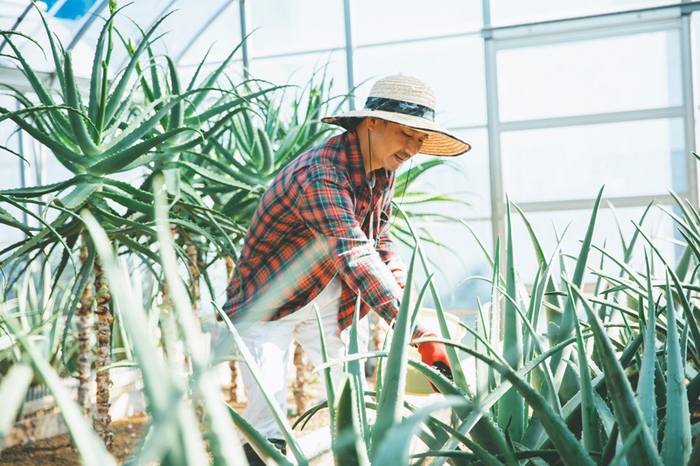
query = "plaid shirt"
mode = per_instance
[{"x": 312, "y": 223}]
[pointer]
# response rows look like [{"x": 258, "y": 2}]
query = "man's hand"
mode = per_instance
[{"x": 434, "y": 354}]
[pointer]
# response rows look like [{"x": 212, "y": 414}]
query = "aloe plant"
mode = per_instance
[{"x": 95, "y": 138}]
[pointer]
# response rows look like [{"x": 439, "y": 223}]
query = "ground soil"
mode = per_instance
[{"x": 59, "y": 451}]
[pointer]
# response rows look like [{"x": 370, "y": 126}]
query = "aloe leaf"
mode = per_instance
[
  {"x": 225, "y": 107},
  {"x": 90, "y": 447},
  {"x": 330, "y": 389},
  {"x": 79, "y": 196},
  {"x": 645, "y": 387},
  {"x": 141, "y": 125},
  {"x": 35, "y": 240},
  {"x": 261, "y": 445},
  {"x": 455, "y": 365},
  {"x": 684, "y": 263},
  {"x": 390, "y": 406},
  {"x": 116, "y": 162},
  {"x": 47, "y": 227},
  {"x": 13, "y": 389},
  {"x": 213, "y": 77},
  {"x": 494, "y": 333},
  {"x": 75, "y": 117},
  {"x": 268, "y": 156},
  {"x": 206, "y": 138},
  {"x": 677, "y": 438},
  {"x": 54, "y": 49},
  {"x": 348, "y": 446},
  {"x": 591, "y": 436},
  {"x": 97, "y": 81},
  {"x": 158, "y": 387},
  {"x": 395, "y": 444},
  {"x": 688, "y": 215},
  {"x": 688, "y": 312},
  {"x": 567, "y": 320},
  {"x": 568, "y": 446},
  {"x": 257, "y": 376},
  {"x": 627, "y": 411},
  {"x": 479, "y": 452},
  {"x": 473, "y": 417},
  {"x": 177, "y": 112},
  {"x": 511, "y": 408},
  {"x": 115, "y": 96},
  {"x": 354, "y": 369},
  {"x": 223, "y": 436},
  {"x": 79, "y": 285},
  {"x": 37, "y": 84},
  {"x": 212, "y": 176},
  {"x": 66, "y": 156},
  {"x": 38, "y": 191}
]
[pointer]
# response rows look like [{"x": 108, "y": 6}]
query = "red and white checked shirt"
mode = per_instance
[{"x": 313, "y": 223}]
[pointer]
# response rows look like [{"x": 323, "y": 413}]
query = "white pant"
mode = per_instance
[{"x": 269, "y": 343}]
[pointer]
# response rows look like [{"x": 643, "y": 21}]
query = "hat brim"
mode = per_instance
[{"x": 439, "y": 142}]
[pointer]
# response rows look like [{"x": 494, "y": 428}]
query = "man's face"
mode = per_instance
[{"x": 392, "y": 144}]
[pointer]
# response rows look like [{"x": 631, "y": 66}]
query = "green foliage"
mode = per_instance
[{"x": 581, "y": 375}]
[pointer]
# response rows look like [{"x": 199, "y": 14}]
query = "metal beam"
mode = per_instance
[
  {"x": 245, "y": 19},
  {"x": 594, "y": 119},
  {"x": 498, "y": 206},
  {"x": 586, "y": 22},
  {"x": 689, "y": 107},
  {"x": 578, "y": 204},
  {"x": 349, "y": 50}
]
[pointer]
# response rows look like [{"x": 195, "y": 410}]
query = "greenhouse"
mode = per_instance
[{"x": 349, "y": 232}]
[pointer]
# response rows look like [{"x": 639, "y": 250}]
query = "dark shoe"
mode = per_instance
[{"x": 255, "y": 460}]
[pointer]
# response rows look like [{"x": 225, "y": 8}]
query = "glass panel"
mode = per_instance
[
  {"x": 299, "y": 69},
  {"x": 459, "y": 258},
  {"x": 598, "y": 76},
  {"x": 222, "y": 35},
  {"x": 296, "y": 25},
  {"x": 634, "y": 158},
  {"x": 465, "y": 177},
  {"x": 184, "y": 23},
  {"x": 386, "y": 21},
  {"x": 657, "y": 225},
  {"x": 53, "y": 171},
  {"x": 516, "y": 11},
  {"x": 453, "y": 67}
]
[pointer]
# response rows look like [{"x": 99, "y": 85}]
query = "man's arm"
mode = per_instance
[{"x": 327, "y": 207}]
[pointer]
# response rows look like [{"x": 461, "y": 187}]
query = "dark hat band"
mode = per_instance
[{"x": 400, "y": 106}]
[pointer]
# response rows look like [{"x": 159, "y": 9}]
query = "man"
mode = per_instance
[{"x": 322, "y": 230}]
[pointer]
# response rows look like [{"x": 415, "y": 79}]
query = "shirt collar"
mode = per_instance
[{"x": 356, "y": 167}]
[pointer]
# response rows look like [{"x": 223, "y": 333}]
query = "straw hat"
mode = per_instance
[{"x": 410, "y": 102}]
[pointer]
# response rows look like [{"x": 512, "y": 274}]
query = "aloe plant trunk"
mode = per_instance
[
  {"x": 84, "y": 327},
  {"x": 194, "y": 264},
  {"x": 102, "y": 418},
  {"x": 377, "y": 334},
  {"x": 233, "y": 365},
  {"x": 303, "y": 376}
]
